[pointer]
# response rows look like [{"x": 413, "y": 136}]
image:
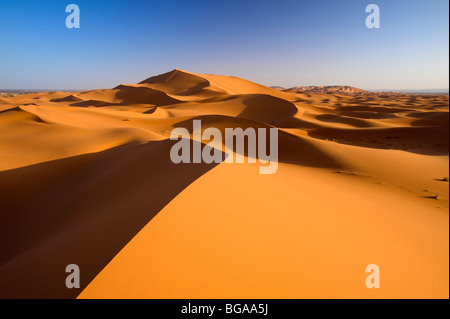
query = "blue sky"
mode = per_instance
[{"x": 282, "y": 42}]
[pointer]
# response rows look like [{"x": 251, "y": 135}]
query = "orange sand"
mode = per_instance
[{"x": 86, "y": 178}]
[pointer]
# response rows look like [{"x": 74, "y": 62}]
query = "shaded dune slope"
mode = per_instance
[{"x": 87, "y": 209}]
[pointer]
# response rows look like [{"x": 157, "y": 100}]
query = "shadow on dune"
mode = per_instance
[
  {"x": 69, "y": 98},
  {"x": 331, "y": 118},
  {"x": 291, "y": 149},
  {"x": 378, "y": 109},
  {"x": 273, "y": 111},
  {"x": 267, "y": 109},
  {"x": 123, "y": 95},
  {"x": 430, "y": 119},
  {"x": 81, "y": 210},
  {"x": 367, "y": 115},
  {"x": 425, "y": 140},
  {"x": 134, "y": 95},
  {"x": 95, "y": 103},
  {"x": 180, "y": 83}
]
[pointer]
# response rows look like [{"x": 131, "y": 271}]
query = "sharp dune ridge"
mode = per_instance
[{"x": 86, "y": 178}]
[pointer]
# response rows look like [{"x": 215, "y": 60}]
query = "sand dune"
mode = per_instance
[{"x": 86, "y": 178}]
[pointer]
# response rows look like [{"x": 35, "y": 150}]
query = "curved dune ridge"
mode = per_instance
[{"x": 86, "y": 179}]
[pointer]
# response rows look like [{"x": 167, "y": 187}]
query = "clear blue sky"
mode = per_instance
[{"x": 276, "y": 42}]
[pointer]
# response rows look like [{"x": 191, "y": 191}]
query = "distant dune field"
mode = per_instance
[{"x": 86, "y": 178}]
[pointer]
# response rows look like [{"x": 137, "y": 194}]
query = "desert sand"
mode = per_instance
[{"x": 86, "y": 178}]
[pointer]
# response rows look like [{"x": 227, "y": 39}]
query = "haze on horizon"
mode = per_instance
[{"x": 286, "y": 43}]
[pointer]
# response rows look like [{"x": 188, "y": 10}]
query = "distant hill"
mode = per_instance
[
  {"x": 424, "y": 91},
  {"x": 278, "y": 88},
  {"x": 336, "y": 89},
  {"x": 350, "y": 90}
]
